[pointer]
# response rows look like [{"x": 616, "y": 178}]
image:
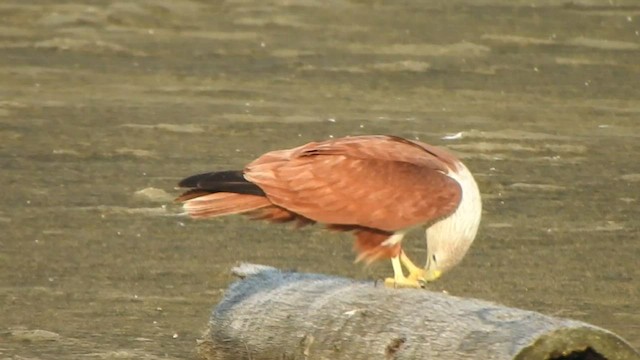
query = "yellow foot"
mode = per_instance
[
  {"x": 403, "y": 282},
  {"x": 399, "y": 280},
  {"x": 417, "y": 275}
]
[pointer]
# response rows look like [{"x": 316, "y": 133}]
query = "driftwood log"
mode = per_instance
[{"x": 273, "y": 314}]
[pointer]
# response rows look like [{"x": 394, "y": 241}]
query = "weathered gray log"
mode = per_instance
[{"x": 273, "y": 314}]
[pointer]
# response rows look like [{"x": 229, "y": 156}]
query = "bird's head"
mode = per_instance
[
  {"x": 431, "y": 271},
  {"x": 449, "y": 239},
  {"x": 441, "y": 261},
  {"x": 448, "y": 242}
]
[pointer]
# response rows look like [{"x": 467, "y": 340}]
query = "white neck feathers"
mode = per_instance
[{"x": 451, "y": 237}]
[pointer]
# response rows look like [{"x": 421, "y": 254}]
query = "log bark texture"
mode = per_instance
[{"x": 273, "y": 314}]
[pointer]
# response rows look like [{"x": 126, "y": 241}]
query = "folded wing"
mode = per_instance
[{"x": 377, "y": 182}]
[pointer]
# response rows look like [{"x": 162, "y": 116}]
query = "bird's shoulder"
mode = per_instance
[{"x": 375, "y": 147}]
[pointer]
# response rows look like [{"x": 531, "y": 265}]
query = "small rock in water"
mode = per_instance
[
  {"x": 35, "y": 335},
  {"x": 154, "y": 195}
]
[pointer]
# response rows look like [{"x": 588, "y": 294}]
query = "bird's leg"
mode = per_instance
[
  {"x": 399, "y": 280},
  {"x": 415, "y": 272}
]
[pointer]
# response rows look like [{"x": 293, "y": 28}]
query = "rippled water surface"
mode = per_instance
[{"x": 102, "y": 101}]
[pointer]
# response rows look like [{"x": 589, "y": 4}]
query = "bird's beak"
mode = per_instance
[{"x": 432, "y": 275}]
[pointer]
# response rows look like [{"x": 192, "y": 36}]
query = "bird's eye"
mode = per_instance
[{"x": 433, "y": 257}]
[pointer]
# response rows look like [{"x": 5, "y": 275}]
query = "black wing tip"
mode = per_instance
[
  {"x": 191, "y": 181},
  {"x": 194, "y": 181},
  {"x": 221, "y": 181}
]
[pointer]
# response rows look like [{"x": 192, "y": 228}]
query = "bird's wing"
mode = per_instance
[{"x": 378, "y": 182}]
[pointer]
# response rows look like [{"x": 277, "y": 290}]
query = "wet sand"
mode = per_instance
[{"x": 101, "y": 102}]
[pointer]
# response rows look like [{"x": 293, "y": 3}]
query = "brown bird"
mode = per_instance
[{"x": 378, "y": 187}]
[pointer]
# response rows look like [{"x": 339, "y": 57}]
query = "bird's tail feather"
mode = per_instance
[
  {"x": 204, "y": 205},
  {"x": 221, "y": 193},
  {"x": 227, "y": 193}
]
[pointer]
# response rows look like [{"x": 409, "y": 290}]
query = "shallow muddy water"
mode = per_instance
[{"x": 100, "y": 100}]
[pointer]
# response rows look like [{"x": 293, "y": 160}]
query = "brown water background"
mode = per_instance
[{"x": 100, "y": 100}]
